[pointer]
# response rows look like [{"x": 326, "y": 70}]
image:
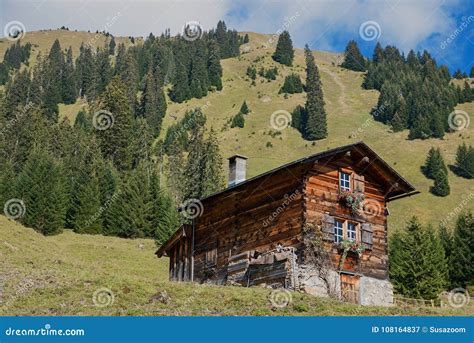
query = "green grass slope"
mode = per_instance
[{"x": 59, "y": 275}]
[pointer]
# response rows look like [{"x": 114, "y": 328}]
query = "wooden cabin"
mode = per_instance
[{"x": 318, "y": 225}]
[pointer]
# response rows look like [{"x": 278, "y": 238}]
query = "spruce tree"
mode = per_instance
[
  {"x": 284, "y": 52},
  {"x": 238, "y": 121},
  {"x": 292, "y": 84},
  {"x": 214, "y": 65},
  {"x": 298, "y": 118},
  {"x": 316, "y": 126},
  {"x": 112, "y": 45},
  {"x": 434, "y": 163},
  {"x": 461, "y": 272},
  {"x": 68, "y": 80},
  {"x": 353, "y": 59},
  {"x": 115, "y": 133},
  {"x": 213, "y": 178},
  {"x": 244, "y": 109},
  {"x": 464, "y": 165},
  {"x": 418, "y": 267},
  {"x": 471, "y": 73},
  {"x": 41, "y": 187},
  {"x": 446, "y": 241},
  {"x": 441, "y": 185}
]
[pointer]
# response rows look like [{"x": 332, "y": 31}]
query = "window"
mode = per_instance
[
  {"x": 345, "y": 230},
  {"x": 345, "y": 181},
  {"x": 352, "y": 231},
  {"x": 338, "y": 231}
]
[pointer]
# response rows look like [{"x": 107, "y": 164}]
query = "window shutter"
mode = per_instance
[
  {"x": 367, "y": 235},
  {"x": 359, "y": 185},
  {"x": 328, "y": 227}
]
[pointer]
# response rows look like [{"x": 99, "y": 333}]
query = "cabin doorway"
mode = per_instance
[{"x": 350, "y": 288}]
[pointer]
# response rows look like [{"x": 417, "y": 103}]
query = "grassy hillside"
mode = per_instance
[
  {"x": 59, "y": 275},
  {"x": 349, "y": 120}
]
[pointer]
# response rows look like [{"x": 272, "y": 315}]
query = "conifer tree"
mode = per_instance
[
  {"x": 238, "y": 120},
  {"x": 103, "y": 70},
  {"x": 292, "y": 84},
  {"x": 446, "y": 241},
  {"x": 353, "y": 59},
  {"x": 7, "y": 182},
  {"x": 244, "y": 109},
  {"x": 85, "y": 69},
  {"x": 418, "y": 266},
  {"x": 441, "y": 185},
  {"x": 68, "y": 80},
  {"x": 461, "y": 272},
  {"x": 434, "y": 163},
  {"x": 180, "y": 90},
  {"x": 471, "y": 73},
  {"x": 213, "y": 179},
  {"x": 41, "y": 187},
  {"x": 116, "y": 133},
  {"x": 214, "y": 65},
  {"x": 464, "y": 165},
  {"x": 109, "y": 187},
  {"x": 284, "y": 52},
  {"x": 316, "y": 126},
  {"x": 298, "y": 118},
  {"x": 112, "y": 46}
]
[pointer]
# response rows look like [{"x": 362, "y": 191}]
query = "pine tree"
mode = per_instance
[
  {"x": 68, "y": 80},
  {"x": 418, "y": 266},
  {"x": 434, "y": 163},
  {"x": 353, "y": 59},
  {"x": 461, "y": 260},
  {"x": 316, "y": 126},
  {"x": 464, "y": 165},
  {"x": 214, "y": 65},
  {"x": 244, "y": 109},
  {"x": 441, "y": 185},
  {"x": 41, "y": 187},
  {"x": 284, "y": 52},
  {"x": 115, "y": 137},
  {"x": 292, "y": 84},
  {"x": 238, "y": 121}
]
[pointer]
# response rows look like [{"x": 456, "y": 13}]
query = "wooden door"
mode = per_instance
[{"x": 350, "y": 288}]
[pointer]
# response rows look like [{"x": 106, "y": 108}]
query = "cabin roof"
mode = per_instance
[{"x": 402, "y": 187}]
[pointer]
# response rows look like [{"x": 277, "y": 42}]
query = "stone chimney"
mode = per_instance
[{"x": 237, "y": 169}]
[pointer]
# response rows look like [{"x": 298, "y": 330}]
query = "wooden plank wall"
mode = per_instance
[
  {"x": 321, "y": 196},
  {"x": 253, "y": 218}
]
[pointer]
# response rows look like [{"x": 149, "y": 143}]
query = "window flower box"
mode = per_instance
[{"x": 352, "y": 200}]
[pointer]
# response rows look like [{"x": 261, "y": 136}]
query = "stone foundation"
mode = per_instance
[{"x": 375, "y": 292}]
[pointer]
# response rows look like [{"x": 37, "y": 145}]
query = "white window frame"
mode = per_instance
[
  {"x": 344, "y": 183},
  {"x": 338, "y": 231},
  {"x": 352, "y": 234}
]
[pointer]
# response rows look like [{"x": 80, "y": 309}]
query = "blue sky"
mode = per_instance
[{"x": 443, "y": 27}]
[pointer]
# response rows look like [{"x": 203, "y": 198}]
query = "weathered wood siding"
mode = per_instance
[
  {"x": 321, "y": 196},
  {"x": 256, "y": 217}
]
